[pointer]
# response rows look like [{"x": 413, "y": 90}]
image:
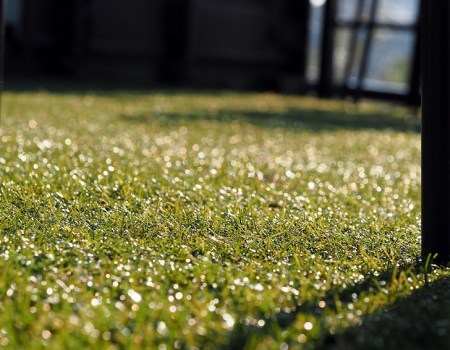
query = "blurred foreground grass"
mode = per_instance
[{"x": 212, "y": 220}]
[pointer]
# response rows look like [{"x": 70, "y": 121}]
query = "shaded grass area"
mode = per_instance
[
  {"x": 302, "y": 118},
  {"x": 416, "y": 321},
  {"x": 150, "y": 219}
]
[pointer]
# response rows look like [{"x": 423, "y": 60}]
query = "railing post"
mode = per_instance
[
  {"x": 435, "y": 16},
  {"x": 2, "y": 45}
]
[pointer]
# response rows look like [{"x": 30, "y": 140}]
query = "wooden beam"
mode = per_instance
[{"x": 435, "y": 53}]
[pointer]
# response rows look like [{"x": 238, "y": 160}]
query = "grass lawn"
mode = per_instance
[{"x": 212, "y": 220}]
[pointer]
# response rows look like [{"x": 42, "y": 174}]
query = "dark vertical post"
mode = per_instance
[
  {"x": 2, "y": 45},
  {"x": 366, "y": 50},
  {"x": 325, "y": 88},
  {"x": 355, "y": 28},
  {"x": 436, "y": 128}
]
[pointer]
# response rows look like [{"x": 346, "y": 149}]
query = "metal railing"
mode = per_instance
[{"x": 362, "y": 27}]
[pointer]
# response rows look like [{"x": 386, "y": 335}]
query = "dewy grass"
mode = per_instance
[{"x": 182, "y": 220}]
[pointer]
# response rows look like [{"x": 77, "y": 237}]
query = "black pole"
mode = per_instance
[
  {"x": 2, "y": 46},
  {"x": 325, "y": 88},
  {"x": 356, "y": 26},
  {"x": 436, "y": 129},
  {"x": 366, "y": 50}
]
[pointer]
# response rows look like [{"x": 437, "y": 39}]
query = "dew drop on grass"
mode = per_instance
[
  {"x": 162, "y": 328},
  {"x": 46, "y": 334},
  {"x": 229, "y": 321},
  {"x": 134, "y": 296},
  {"x": 308, "y": 326}
]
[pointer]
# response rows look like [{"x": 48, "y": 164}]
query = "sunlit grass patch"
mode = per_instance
[{"x": 182, "y": 220}]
